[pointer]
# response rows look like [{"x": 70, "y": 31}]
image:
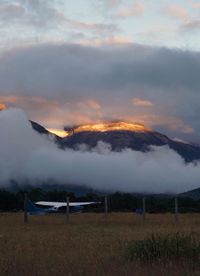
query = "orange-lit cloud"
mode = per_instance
[
  {"x": 178, "y": 12},
  {"x": 2, "y": 106},
  {"x": 168, "y": 122},
  {"x": 141, "y": 102},
  {"x": 56, "y": 114},
  {"x": 110, "y": 40},
  {"x": 93, "y": 104},
  {"x": 196, "y": 5}
]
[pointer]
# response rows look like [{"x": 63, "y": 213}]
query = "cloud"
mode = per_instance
[
  {"x": 60, "y": 80},
  {"x": 177, "y": 12},
  {"x": 28, "y": 157},
  {"x": 136, "y": 9},
  {"x": 110, "y": 3},
  {"x": 112, "y": 40},
  {"x": 44, "y": 13},
  {"x": 141, "y": 102},
  {"x": 191, "y": 26},
  {"x": 38, "y": 13},
  {"x": 196, "y": 5},
  {"x": 189, "y": 23},
  {"x": 2, "y": 106},
  {"x": 11, "y": 11},
  {"x": 99, "y": 28},
  {"x": 93, "y": 104},
  {"x": 40, "y": 21},
  {"x": 55, "y": 113}
]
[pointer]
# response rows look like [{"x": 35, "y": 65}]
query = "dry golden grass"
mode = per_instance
[{"x": 90, "y": 244}]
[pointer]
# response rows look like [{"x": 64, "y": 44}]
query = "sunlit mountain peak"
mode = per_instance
[{"x": 110, "y": 126}]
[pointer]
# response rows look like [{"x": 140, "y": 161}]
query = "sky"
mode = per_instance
[{"x": 75, "y": 62}]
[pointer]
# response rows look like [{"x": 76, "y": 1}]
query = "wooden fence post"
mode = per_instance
[
  {"x": 25, "y": 208},
  {"x": 106, "y": 205},
  {"x": 67, "y": 209},
  {"x": 144, "y": 208},
  {"x": 176, "y": 210}
]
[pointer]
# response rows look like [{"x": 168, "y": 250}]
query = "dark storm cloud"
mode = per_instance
[
  {"x": 113, "y": 76},
  {"x": 64, "y": 69}
]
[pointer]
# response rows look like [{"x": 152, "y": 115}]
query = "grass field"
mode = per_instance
[{"x": 90, "y": 244}]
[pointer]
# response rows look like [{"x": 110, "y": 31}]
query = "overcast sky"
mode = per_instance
[{"x": 67, "y": 62}]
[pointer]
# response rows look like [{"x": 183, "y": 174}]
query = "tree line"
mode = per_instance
[{"x": 117, "y": 202}]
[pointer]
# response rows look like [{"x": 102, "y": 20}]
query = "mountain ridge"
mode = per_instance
[{"x": 123, "y": 139}]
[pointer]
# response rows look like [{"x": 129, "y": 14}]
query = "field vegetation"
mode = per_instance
[{"x": 95, "y": 244}]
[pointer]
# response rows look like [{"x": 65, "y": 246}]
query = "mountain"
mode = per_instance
[
  {"x": 122, "y": 135},
  {"x": 194, "y": 194},
  {"x": 41, "y": 130}
]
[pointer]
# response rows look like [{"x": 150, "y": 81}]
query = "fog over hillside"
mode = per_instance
[{"x": 28, "y": 156}]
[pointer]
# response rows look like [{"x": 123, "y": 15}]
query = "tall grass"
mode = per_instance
[
  {"x": 169, "y": 248},
  {"x": 90, "y": 244}
]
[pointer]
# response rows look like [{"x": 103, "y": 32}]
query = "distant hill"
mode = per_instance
[{"x": 194, "y": 194}]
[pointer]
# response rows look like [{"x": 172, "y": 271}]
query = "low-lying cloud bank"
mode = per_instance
[{"x": 27, "y": 156}]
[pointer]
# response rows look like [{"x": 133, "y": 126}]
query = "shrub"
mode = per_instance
[{"x": 165, "y": 248}]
